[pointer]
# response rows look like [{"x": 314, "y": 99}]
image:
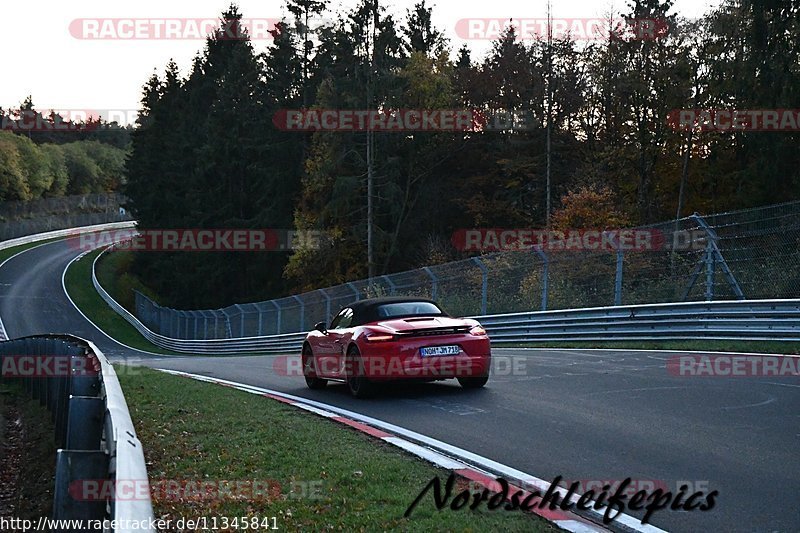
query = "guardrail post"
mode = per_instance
[
  {"x": 434, "y": 282},
  {"x": 76, "y": 466},
  {"x": 545, "y": 274},
  {"x": 84, "y": 423},
  {"x": 484, "y": 283},
  {"x": 82, "y": 383},
  {"x": 618, "y": 279}
]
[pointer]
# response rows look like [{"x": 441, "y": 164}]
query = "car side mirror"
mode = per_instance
[{"x": 320, "y": 326}]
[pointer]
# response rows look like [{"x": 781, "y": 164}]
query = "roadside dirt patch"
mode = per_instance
[{"x": 27, "y": 456}]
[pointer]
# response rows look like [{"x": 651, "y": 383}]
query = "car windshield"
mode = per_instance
[{"x": 406, "y": 309}]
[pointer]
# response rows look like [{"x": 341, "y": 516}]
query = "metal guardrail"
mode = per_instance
[
  {"x": 271, "y": 344},
  {"x": 94, "y": 433},
  {"x": 64, "y": 233},
  {"x": 758, "y": 320}
]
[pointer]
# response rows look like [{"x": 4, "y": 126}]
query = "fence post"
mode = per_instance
[
  {"x": 327, "y": 305},
  {"x": 716, "y": 257},
  {"x": 278, "y": 319},
  {"x": 228, "y": 326},
  {"x": 392, "y": 286},
  {"x": 545, "y": 274},
  {"x": 241, "y": 320},
  {"x": 434, "y": 282},
  {"x": 618, "y": 279},
  {"x": 484, "y": 283},
  {"x": 302, "y": 311},
  {"x": 355, "y": 290},
  {"x": 709, "y": 273}
]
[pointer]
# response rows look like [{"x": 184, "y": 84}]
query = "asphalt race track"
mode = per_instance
[{"x": 584, "y": 415}]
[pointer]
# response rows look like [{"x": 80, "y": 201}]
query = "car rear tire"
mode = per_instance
[
  {"x": 474, "y": 382},
  {"x": 310, "y": 370},
  {"x": 360, "y": 386}
]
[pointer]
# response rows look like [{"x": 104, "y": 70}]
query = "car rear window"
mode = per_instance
[{"x": 404, "y": 309}]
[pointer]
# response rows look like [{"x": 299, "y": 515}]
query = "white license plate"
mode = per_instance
[{"x": 433, "y": 351}]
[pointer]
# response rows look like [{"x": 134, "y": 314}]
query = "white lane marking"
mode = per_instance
[
  {"x": 474, "y": 460},
  {"x": 780, "y": 384},
  {"x": 64, "y": 287},
  {"x": 3, "y": 334},
  {"x": 50, "y": 237},
  {"x": 643, "y": 389},
  {"x": 759, "y": 404}
]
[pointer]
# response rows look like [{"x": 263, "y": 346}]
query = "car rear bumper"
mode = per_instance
[{"x": 393, "y": 361}]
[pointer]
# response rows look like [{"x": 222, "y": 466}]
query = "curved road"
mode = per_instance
[{"x": 584, "y": 415}]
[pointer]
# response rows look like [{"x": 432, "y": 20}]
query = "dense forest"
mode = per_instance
[
  {"x": 45, "y": 155},
  {"x": 596, "y": 139}
]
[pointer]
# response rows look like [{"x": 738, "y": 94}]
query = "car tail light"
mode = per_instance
[
  {"x": 379, "y": 337},
  {"x": 477, "y": 331}
]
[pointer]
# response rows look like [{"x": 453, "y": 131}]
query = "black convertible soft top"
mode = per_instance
[{"x": 366, "y": 311}]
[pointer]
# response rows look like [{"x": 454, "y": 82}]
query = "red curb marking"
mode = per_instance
[
  {"x": 279, "y": 398},
  {"x": 362, "y": 427}
]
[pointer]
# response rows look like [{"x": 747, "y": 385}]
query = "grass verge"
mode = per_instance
[
  {"x": 322, "y": 475},
  {"x": 674, "y": 345}
]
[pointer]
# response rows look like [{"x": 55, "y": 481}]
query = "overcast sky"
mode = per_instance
[{"x": 45, "y": 57}]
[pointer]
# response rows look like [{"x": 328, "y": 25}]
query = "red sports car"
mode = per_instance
[{"x": 383, "y": 339}]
